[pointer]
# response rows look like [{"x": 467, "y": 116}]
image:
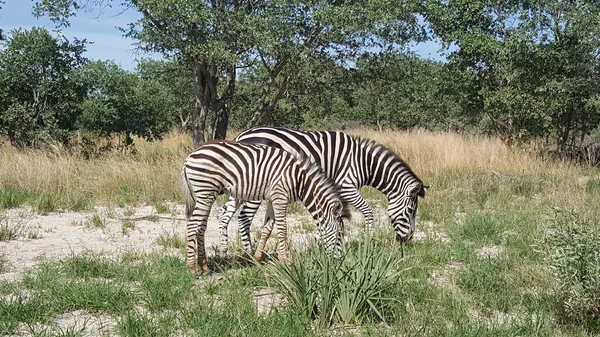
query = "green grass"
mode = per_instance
[
  {"x": 171, "y": 240},
  {"x": 162, "y": 208},
  {"x": 127, "y": 225},
  {"x": 593, "y": 187},
  {"x": 11, "y": 197},
  {"x": 295, "y": 208},
  {"x": 3, "y": 262},
  {"x": 8, "y": 231},
  {"x": 97, "y": 221},
  {"x": 129, "y": 211}
]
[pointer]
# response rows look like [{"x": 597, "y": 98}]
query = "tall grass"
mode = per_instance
[
  {"x": 59, "y": 178},
  {"x": 433, "y": 152}
]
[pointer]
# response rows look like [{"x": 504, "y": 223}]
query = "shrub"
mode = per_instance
[
  {"x": 573, "y": 245},
  {"x": 350, "y": 290}
]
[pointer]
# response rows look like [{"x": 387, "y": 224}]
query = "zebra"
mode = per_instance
[
  {"x": 352, "y": 162},
  {"x": 258, "y": 172}
]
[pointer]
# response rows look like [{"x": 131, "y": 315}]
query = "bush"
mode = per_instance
[
  {"x": 351, "y": 290},
  {"x": 573, "y": 245}
]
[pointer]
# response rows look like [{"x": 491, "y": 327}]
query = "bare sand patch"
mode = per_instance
[
  {"x": 445, "y": 277},
  {"x": 427, "y": 230},
  {"x": 490, "y": 252}
]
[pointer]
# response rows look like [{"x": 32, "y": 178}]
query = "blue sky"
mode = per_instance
[{"x": 100, "y": 27}]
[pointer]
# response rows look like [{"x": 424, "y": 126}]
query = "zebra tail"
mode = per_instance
[{"x": 190, "y": 200}]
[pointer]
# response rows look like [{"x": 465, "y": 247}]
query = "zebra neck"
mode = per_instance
[
  {"x": 307, "y": 192},
  {"x": 383, "y": 170}
]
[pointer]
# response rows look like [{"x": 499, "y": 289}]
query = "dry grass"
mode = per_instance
[
  {"x": 434, "y": 152},
  {"x": 62, "y": 179},
  {"x": 149, "y": 174}
]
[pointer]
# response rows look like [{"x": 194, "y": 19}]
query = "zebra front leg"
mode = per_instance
[
  {"x": 247, "y": 213},
  {"x": 351, "y": 195},
  {"x": 265, "y": 233},
  {"x": 225, "y": 214},
  {"x": 280, "y": 210}
]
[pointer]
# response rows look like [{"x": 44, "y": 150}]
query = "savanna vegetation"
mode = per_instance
[
  {"x": 509, "y": 232},
  {"x": 508, "y": 246}
]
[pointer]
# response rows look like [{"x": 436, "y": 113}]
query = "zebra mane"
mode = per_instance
[
  {"x": 371, "y": 144},
  {"x": 317, "y": 174}
]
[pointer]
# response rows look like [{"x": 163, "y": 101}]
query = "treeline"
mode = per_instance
[{"x": 521, "y": 71}]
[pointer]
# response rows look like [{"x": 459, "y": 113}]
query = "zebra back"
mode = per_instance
[
  {"x": 353, "y": 162},
  {"x": 337, "y": 153}
]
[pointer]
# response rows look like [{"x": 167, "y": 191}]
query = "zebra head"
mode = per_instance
[
  {"x": 332, "y": 227},
  {"x": 402, "y": 210}
]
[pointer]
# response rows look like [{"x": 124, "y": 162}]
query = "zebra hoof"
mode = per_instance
[{"x": 205, "y": 269}]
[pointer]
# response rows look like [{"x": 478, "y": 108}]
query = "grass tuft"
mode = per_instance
[
  {"x": 8, "y": 231},
  {"x": 573, "y": 245},
  {"x": 351, "y": 290},
  {"x": 171, "y": 240},
  {"x": 162, "y": 208},
  {"x": 3, "y": 263},
  {"x": 126, "y": 226}
]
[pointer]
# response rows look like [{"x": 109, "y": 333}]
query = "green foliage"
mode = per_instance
[
  {"x": 177, "y": 87},
  {"x": 403, "y": 91},
  {"x": 121, "y": 103},
  {"x": 351, "y": 290},
  {"x": 39, "y": 96},
  {"x": 573, "y": 246},
  {"x": 534, "y": 65}
]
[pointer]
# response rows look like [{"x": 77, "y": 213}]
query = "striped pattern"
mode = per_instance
[
  {"x": 257, "y": 172},
  {"x": 351, "y": 162}
]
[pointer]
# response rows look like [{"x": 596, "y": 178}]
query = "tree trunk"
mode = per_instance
[
  {"x": 222, "y": 121},
  {"x": 200, "y": 105},
  {"x": 265, "y": 105}
]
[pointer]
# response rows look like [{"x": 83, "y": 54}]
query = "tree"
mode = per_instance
[
  {"x": 120, "y": 102},
  {"x": 177, "y": 81},
  {"x": 535, "y": 64},
  {"x": 39, "y": 97},
  {"x": 1, "y": 31},
  {"x": 218, "y": 37}
]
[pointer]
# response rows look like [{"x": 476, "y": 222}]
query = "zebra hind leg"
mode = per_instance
[
  {"x": 196, "y": 252},
  {"x": 225, "y": 214}
]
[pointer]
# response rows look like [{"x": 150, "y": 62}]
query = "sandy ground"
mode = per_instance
[
  {"x": 58, "y": 235},
  {"x": 61, "y": 234}
]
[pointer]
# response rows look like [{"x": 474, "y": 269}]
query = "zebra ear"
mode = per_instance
[
  {"x": 340, "y": 210},
  {"x": 418, "y": 190},
  {"x": 424, "y": 189}
]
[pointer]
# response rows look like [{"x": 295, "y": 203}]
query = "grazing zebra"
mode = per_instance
[
  {"x": 351, "y": 162},
  {"x": 257, "y": 172}
]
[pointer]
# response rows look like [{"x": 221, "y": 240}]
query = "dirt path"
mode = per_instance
[{"x": 57, "y": 235}]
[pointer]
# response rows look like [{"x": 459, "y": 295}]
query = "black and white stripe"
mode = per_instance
[
  {"x": 258, "y": 172},
  {"x": 352, "y": 162}
]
